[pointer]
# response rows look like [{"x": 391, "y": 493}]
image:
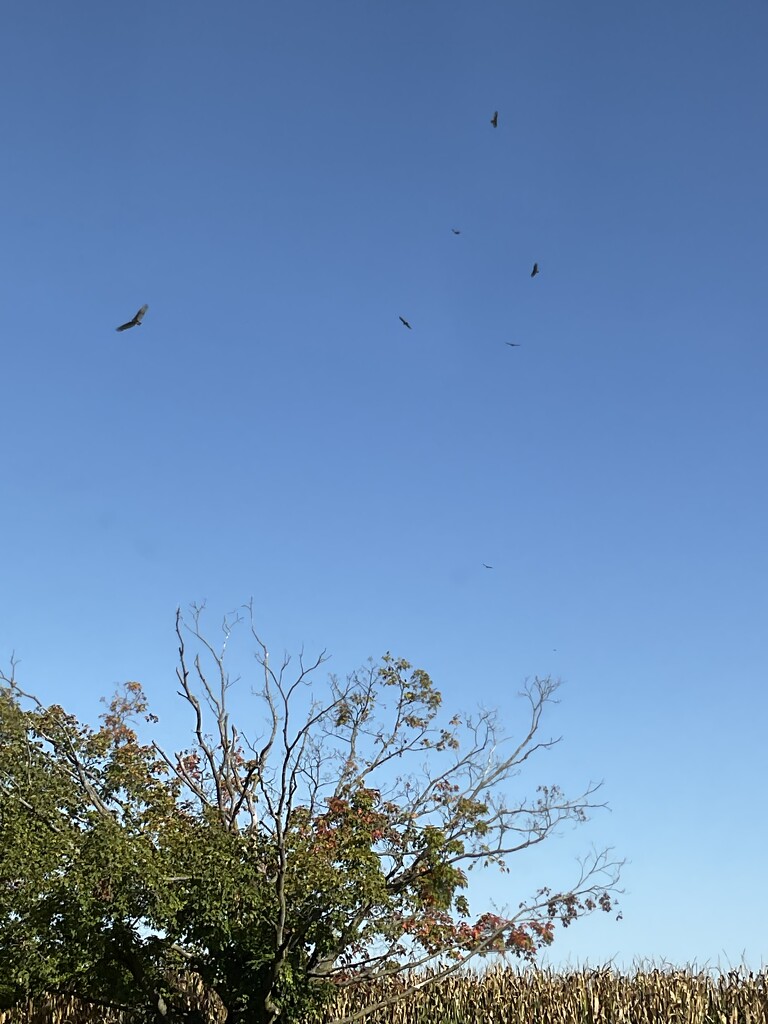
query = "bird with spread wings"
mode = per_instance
[{"x": 136, "y": 322}]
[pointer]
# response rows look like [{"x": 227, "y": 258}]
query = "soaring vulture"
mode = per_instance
[
  {"x": 403, "y": 321},
  {"x": 535, "y": 270},
  {"x": 136, "y": 322},
  {"x": 495, "y": 119}
]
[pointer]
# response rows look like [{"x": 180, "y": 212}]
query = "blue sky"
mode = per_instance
[{"x": 279, "y": 183}]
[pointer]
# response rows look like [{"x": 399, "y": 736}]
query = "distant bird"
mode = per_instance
[
  {"x": 495, "y": 119},
  {"x": 535, "y": 270},
  {"x": 487, "y": 566},
  {"x": 136, "y": 322},
  {"x": 512, "y": 344},
  {"x": 455, "y": 231},
  {"x": 403, "y": 321}
]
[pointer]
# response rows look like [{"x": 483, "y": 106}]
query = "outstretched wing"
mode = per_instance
[
  {"x": 495, "y": 119},
  {"x": 136, "y": 320}
]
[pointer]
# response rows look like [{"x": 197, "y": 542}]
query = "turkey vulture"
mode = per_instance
[
  {"x": 455, "y": 231},
  {"x": 495, "y": 119},
  {"x": 487, "y": 566},
  {"x": 535, "y": 270},
  {"x": 403, "y": 321},
  {"x": 512, "y": 344},
  {"x": 136, "y": 322}
]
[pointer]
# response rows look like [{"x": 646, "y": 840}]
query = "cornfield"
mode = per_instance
[{"x": 507, "y": 996}]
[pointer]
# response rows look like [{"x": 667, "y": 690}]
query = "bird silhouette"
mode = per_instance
[
  {"x": 455, "y": 231},
  {"x": 495, "y": 119},
  {"x": 404, "y": 321},
  {"x": 512, "y": 344},
  {"x": 136, "y": 322},
  {"x": 535, "y": 270},
  {"x": 487, "y": 566}
]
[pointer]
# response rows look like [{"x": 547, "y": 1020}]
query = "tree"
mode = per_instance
[{"x": 256, "y": 873}]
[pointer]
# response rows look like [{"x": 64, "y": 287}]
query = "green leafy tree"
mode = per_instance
[{"x": 251, "y": 874}]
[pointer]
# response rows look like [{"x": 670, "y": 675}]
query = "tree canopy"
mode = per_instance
[{"x": 326, "y": 844}]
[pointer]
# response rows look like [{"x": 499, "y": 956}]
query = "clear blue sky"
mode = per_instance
[{"x": 279, "y": 183}]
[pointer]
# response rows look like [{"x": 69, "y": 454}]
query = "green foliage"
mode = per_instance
[{"x": 259, "y": 879}]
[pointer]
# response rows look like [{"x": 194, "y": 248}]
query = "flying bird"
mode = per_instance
[
  {"x": 455, "y": 231},
  {"x": 403, "y": 321},
  {"x": 495, "y": 119},
  {"x": 136, "y": 322},
  {"x": 512, "y": 344},
  {"x": 487, "y": 566},
  {"x": 535, "y": 270}
]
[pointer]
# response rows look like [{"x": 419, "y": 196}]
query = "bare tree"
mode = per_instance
[{"x": 340, "y": 768}]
